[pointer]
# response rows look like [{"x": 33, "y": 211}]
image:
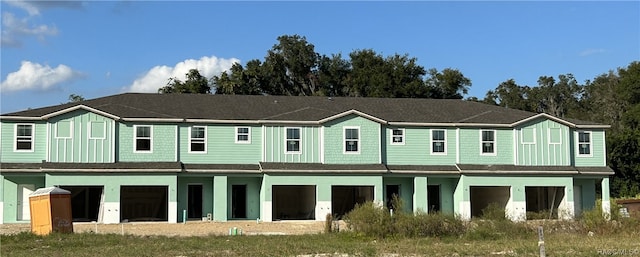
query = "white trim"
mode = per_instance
[
  {"x": 55, "y": 133},
  {"x": 263, "y": 144},
  {"x": 135, "y": 137},
  {"x": 380, "y": 142},
  {"x": 221, "y": 121},
  {"x": 190, "y": 140},
  {"x": 391, "y": 136},
  {"x": 32, "y": 138},
  {"x": 515, "y": 146},
  {"x": 577, "y": 135},
  {"x": 90, "y": 128},
  {"x": 344, "y": 140},
  {"x": 84, "y": 107},
  {"x": 495, "y": 142},
  {"x": 352, "y": 111},
  {"x": 152, "y": 120},
  {"x": 457, "y": 145},
  {"x": 321, "y": 138},
  {"x": 113, "y": 141},
  {"x": 431, "y": 142},
  {"x": 604, "y": 149},
  {"x": 549, "y": 136},
  {"x": 176, "y": 140},
  {"x": 522, "y": 136},
  {"x": 248, "y": 141},
  {"x": 286, "y": 140},
  {"x": 47, "y": 152}
]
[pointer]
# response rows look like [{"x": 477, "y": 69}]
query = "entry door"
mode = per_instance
[
  {"x": 23, "y": 201},
  {"x": 239, "y": 201},
  {"x": 392, "y": 191},
  {"x": 194, "y": 202},
  {"x": 433, "y": 198}
]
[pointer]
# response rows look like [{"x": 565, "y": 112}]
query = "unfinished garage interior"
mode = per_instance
[
  {"x": 544, "y": 200},
  {"x": 144, "y": 203},
  {"x": 294, "y": 202},
  {"x": 345, "y": 198},
  {"x": 483, "y": 196},
  {"x": 86, "y": 202}
]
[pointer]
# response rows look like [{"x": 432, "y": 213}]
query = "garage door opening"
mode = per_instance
[
  {"x": 143, "y": 203},
  {"x": 86, "y": 202},
  {"x": 294, "y": 202},
  {"x": 482, "y": 196},
  {"x": 345, "y": 198},
  {"x": 543, "y": 202}
]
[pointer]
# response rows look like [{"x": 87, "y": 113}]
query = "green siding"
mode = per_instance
[
  {"x": 81, "y": 136},
  {"x": 253, "y": 195},
  {"x": 447, "y": 188},
  {"x": 163, "y": 143},
  {"x": 7, "y": 142},
  {"x": 537, "y": 148},
  {"x": 221, "y": 145},
  {"x": 183, "y": 196},
  {"x": 369, "y": 141},
  {"x": 470, "y": 151},
  {"x": 324, "y": 183},
  {"x": 9, "y": 190},
  {"x": 597, "y": 157},
  {"x": 406, "y": 190},
  {"x": 417, "y": 148},
  {"x": 275, "y": 146}
]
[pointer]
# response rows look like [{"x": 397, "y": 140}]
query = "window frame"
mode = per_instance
[
  {"x": 590, "y": 143},
  {"x": 392, "y": 136},
  {"x": 57, "y": 128},
  {"x": 549, "y": 133},
  {"x": 522, "y": 136},
  {"x": 345, "y": 140},
  {"x": 444, "y": 141},
  {"x": 30, "y": 138},
  {"x": 248, "y": 134},
  {"x": 90, "y": 128},
  {"x": 193, "y": 140},
  {"x": 287, "y": 140},
  {"x": 135, "y": 138},
  {"x": 494, "y": 142}
]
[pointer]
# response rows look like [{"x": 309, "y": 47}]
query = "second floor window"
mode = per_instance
[
  {"x": 24, "y": 137},
  {"x": 243, "y": 135},
  {"x": 438, "y": 141},
  {"x": 488, "y": 141},
  {"x": 293, "y": 140},
  {"x": 142, "y": 138},
  {"x": 351, "y": 140},
  {"x": 397, "y": 136},
  {"x": 584, "y": 143},
  {"x": 198, "y": 139}
]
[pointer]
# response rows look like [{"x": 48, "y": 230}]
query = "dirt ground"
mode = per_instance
[{"x": 191, "y": 228}]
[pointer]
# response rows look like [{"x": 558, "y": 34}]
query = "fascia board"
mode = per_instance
[
  {"x": 356, "y": 112},
  {"x": 77, "y": 107}
]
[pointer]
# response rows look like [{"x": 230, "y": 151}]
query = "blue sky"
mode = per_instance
[{"x": 98, "y": 48}]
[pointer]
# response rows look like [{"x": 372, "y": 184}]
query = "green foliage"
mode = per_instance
[
  {"x": 73, "y": 98},
  {"x": 370, "y": 219},
  {"x": 195, "y": 84},
  {"x": 494, "y": 211}
]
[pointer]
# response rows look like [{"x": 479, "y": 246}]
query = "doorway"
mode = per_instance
[
  {"x": 239, "y": 201},
  {"x": 393, "y": 191},
  {"x": 24, "y": 190},
  {"x": 433, "y": 198},
  {"x": 194, "y": 201}
]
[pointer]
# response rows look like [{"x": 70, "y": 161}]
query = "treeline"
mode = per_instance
[{"x": 292, "y": 67}]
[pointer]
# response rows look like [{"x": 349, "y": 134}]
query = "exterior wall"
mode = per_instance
[
  {"x": 598, "y": 154},
  {"x": 406, "y": 190},
  {"x": 323, "y": 185},
  {"x": 253, "y": 195},
  {"x": 8, "y": 139},
  {"x": 163, "y": 143},
  {"x": 369, "y": 146},
  {"x": 81, "y": 136},
  {"x": 447, "y": 188},
  {"x": 470, "y": 147},
  {"x": 10, "y": 202},
  {"x": 112, "y": 183},
  {"x": 417, "y": 148},
  {"x": 221, "y": 146},
  {"x": 207, "y": 193},
  {"x": 275, "y": 145},
  {"x": 516, "y": 206},
  {"x": 549, "y": 143}
]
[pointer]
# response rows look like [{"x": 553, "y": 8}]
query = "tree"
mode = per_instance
[
  {"x": 509, "y": 94},
  {"x": 448, "y": 84},
  {"x": 555, "y": 98},
  {"x": 195, "y": 84},
  {"x": 73, "y": 98}
]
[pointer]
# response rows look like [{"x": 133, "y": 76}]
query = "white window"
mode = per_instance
[
  {"x": 438, "y": 141},
  {"x": 488, "y": 142},
  {"x": 198, "y": 139},
  {"x": 584, "y": 143},
  {"x": 293, "y": 140},
  {"x": 142, "y": 138},
  {"x": 352, "y": 140},
  {"x": 243, "y": 135},
  {"x": 397, "y": 136},
  {"x": 24, "y": 137},
  {"x": 555, "y": 136}
]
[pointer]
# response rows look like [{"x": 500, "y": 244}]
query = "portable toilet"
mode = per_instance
[{"x": 50, "y": 211}]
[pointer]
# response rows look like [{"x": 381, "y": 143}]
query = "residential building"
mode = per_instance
[{"x": 157, "y": 157}]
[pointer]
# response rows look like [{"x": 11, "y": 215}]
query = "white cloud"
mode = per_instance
[
  {"x": 35, "y": 76},
  {"x": 14, "y": 28},
  {"x": 158, "y": 76},
  {"x": 592, "y": 51},
  {"x": 34, "y": 7}
]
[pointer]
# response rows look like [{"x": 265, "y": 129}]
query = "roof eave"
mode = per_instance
[
  {"x": 78, "y": 107},
  {"x": 352, "y": 111}
]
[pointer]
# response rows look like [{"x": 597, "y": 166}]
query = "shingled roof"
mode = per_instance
[{"x": 290, "y": 108}]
